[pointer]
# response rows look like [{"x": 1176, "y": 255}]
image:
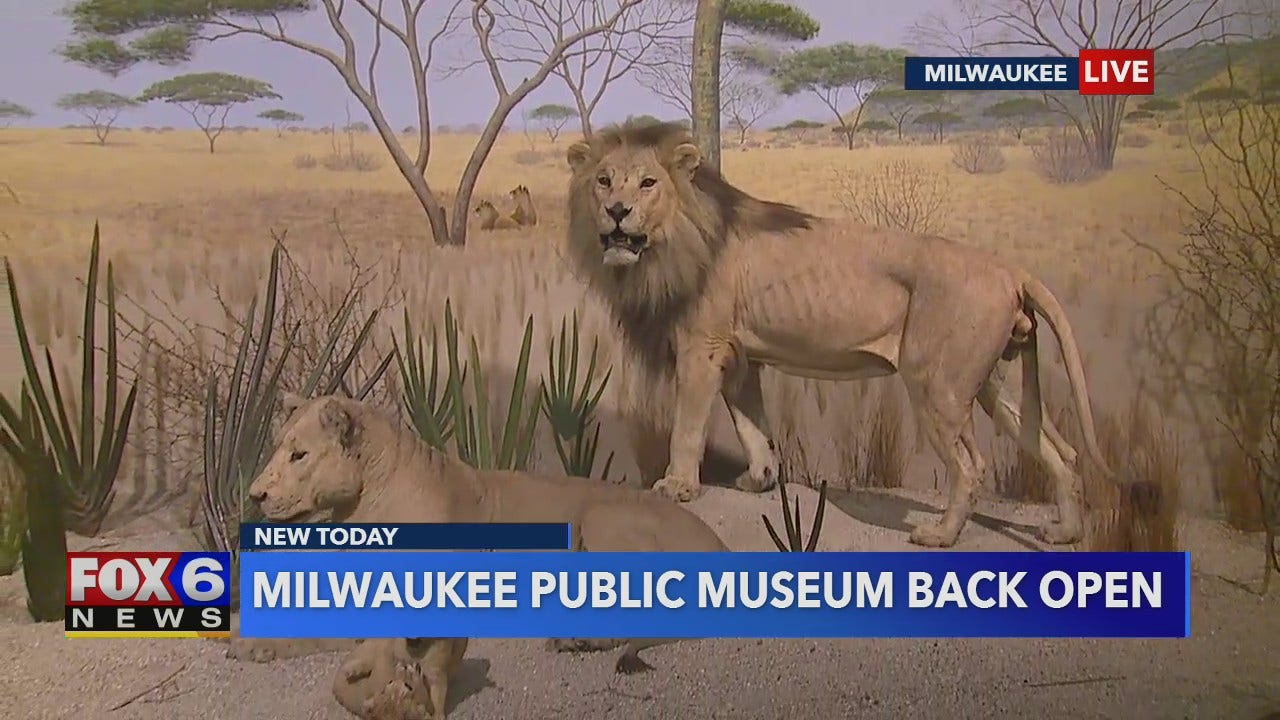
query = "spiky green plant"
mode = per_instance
[
  {"x": 569, "y": 405},
  {"x": 85, "y": 463},
  {"x": 44, "y": 542},
  {"x": 428, "y": 404},
  {"x": 236, "y": 450},
  {"x": 473, "y": 435},
  {"x": 795, "y": 542}
]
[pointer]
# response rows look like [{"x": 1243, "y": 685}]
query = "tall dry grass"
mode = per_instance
[{"x": 191, "y": 235}]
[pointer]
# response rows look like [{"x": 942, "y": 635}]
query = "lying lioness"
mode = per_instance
[
  {"x": 340, "y": 460},
  {"x": 404, "y": 677}
]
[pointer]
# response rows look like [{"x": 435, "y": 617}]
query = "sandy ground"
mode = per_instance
[{"x": 1229, "y": 668}]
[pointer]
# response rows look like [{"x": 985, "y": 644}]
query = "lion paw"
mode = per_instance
[
  {"x": 933, "y": 535},
  {"x": 679, "y": 489},
  {"x": 757, "y": 481},
  {"x": 400, "y": 699},
  {"x": 1059, "y": 533}
]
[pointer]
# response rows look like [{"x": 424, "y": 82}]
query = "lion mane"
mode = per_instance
[{"x": 699, "y": 216}]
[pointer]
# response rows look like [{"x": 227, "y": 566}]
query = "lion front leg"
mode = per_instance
[
  {"x": 746, "y": 409},
  {"x": 699, "y": 378}
]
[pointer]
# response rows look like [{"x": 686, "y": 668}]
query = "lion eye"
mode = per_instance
[
  {"x": 604, "y": 181},
  {"x": 648, "y": 182},
  {"x": 297, "y": 455}
]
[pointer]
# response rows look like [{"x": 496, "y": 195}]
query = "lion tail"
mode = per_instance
[{"x": 1047, "y": 305}]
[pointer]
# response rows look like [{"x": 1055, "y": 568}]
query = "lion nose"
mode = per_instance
[
  {"x": 617, "y": 211},
  {"x": 257, "y": 495}
]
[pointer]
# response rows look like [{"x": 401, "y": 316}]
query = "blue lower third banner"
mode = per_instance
[
  {"x": 1002, "y": 73},
  {"x": 707, "y": 595}
]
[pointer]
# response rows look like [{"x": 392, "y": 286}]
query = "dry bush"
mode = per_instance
[
  {"x": 13, "y": 514},
  {"x": 1176, "y": 128},
  {"x": 883, "y": 461},
  {"x": 1214, "y": 337},
  {"x": 305, "y": 161},
  {"x": 978, "y": 155},
  {"x": 174, "y": 355},
  {"x": 1141, "y": 513},
  {"x": 899, "y": 194},
  {"x": 1064, "y": 158},
  {"x": 528, "y": 157},
  {"x": 1135, "y": 140},
  {"x": 350, "y": 158}
]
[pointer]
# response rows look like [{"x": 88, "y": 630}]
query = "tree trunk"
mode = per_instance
[
  {"x": 708, "y": 27},
  {"x": 212, "y": 138}
]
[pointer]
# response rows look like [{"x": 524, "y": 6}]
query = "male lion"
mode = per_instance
[
  {"x": 340, "y": 460},
  {"x": 709, "y": 284}
]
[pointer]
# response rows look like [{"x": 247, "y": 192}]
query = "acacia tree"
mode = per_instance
[
  {"x": 100, "y": 107},
  {"x": 553, "y": 118},
  {"x": 767, "y": 19},
  {"x": 839, "y": 73},
  {"x": 899, "y": 103},
  {"x": 1017, "y": 113},
  {"x": 280, "y": 118},
  {"x": 209, "y": 97},
  {"x": 746, "y": 100},
  {"x": 10, "y": 111},
  {"x": 1063, "y": 27},
  {"x": 166, "y": 32},
  {"x": 938, "y": 121}
]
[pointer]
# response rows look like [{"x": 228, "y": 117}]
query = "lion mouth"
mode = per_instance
[{"x": 621, "y": 248}]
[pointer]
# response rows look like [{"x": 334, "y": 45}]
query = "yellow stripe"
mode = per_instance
[{"x": 152, "y": 634}]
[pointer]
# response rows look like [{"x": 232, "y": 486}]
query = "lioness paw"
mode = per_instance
[
  {"x": 1054, "y": 532},
  {"x": 933, "y": 535},
  {"x": 676, "y": 488},
  {"x": 757, "y": 481}
]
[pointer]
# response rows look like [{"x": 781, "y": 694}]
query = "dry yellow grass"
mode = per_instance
[{"x": 180, "y": 223}]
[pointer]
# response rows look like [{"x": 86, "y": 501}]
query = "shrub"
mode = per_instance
[
  {"x": 528, "y": 157},
  {"x": 305, "y": 161},
  {"x": 1064, "y": 158},
  {"x": 978, "y": 155},
  {"x": 1134, "y": 140},
  {"x": 13, "y": 516},
  {"x": 899, "y": 194},
  {"x": 1142, "y": 514}
]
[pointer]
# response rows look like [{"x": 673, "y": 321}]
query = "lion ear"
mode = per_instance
[
  {"x": 336, "y": 419},
  {"x": 686, "y": 157},
  {"x": 578, "y": 154}
]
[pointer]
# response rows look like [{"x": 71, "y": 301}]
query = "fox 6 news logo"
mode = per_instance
[{"x": 148, "y": 578}]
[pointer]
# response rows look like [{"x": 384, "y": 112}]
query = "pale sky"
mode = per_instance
[{"x": 35, "y": 75}]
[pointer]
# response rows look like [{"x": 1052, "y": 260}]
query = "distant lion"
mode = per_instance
[
  {"x": 340, "y": 460},
  {"x": 491, "y": 219},
  {"x": 709, "y": 284},
  {"x": 525, "y": 212}
]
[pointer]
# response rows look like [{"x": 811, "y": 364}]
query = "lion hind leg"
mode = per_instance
[
  {"x": 746, "y": 409},
  {"x": 1068, "y": 487},
  {"x": 952, "y": 439}
]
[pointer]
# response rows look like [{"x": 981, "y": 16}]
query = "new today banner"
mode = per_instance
[{"x": 368, "y": 594}]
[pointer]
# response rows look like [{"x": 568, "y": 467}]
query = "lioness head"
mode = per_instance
[
  {"x": 633, "y": 189},
  {"x": 315, "y": 471}
]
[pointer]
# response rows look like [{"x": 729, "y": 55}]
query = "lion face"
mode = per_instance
[
  {"x": 314, "y": 472},
  {"x": 633, "y": 193}
]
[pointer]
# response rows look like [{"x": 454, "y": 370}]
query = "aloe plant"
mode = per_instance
[
  {"x": 428, "y": 404},
  {"x": 795, "y": 542},
  {"x": 569, "y": 405},
  {"x": 473, "y": 433},
  {"x": 444, "y": 412},
  {"x": 84, "y": 463},
  {"x": 236, "y": 450}
]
